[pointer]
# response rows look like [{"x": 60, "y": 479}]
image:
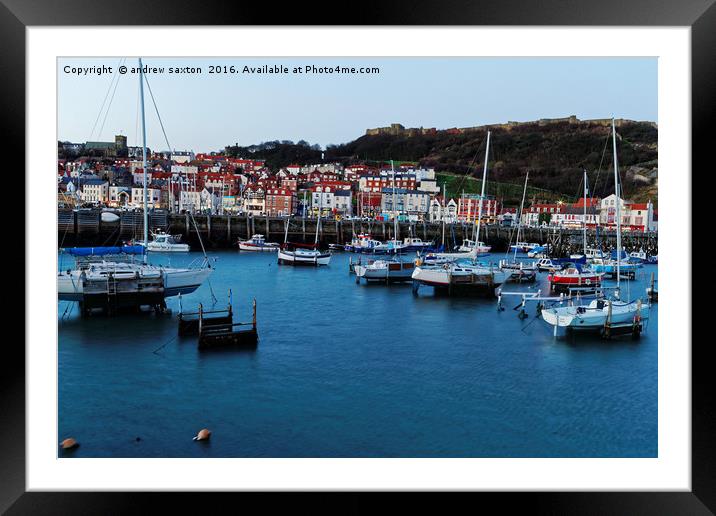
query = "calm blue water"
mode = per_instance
[{"x": 346, "y": 370}]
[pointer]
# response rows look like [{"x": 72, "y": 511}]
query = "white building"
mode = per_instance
[
  {"x": 438, "y": 211},
  {"x": 95, "y": 190},
  {"x": 189, "y": 200},
  {"x": 344, "y": 202},
  {"x": 323, "y": 198},
  {"x": 182, "y": 156},
  {"x": 154, "y": 197}
]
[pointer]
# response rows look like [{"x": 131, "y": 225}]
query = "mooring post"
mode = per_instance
[
  {"x": 201, "y": 317},
  {"x": 228, "y": 228},
  {"x": 254, "y": 318}
]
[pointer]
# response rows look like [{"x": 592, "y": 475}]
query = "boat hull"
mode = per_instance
[
  {"x": 306, "y": 259},
  {"x": 591, "y": 319},
  {"x": 472, "y": 280},
  {"x": 266, "y": 248},
  {"x": 138, "y": 285},
  {"x": 391, "y": 272},
  {"x": 168, "y": 248}
]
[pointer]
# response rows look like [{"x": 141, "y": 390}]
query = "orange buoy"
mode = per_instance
[
  {"x": 203, "y": 435},
  {"x": 69, "y": 443}
]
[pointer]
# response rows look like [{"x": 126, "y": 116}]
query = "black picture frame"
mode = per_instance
[{"x": 700, "y": 15}]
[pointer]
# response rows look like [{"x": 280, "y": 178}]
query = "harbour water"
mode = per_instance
[{"x": 346, "y": 370}]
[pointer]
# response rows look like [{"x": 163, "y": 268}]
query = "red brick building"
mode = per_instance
[{"x": 280, "y": 201}]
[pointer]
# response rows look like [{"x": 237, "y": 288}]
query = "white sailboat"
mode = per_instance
[
  {"x": 470, "y": 248},
  {"x": 456, "y": 277},
  {"x": 602, "y": 314},
  {"x": 520, "y": 272},
  {"x": 386, "y": 270},
  {"x": 110, "y": 277}
]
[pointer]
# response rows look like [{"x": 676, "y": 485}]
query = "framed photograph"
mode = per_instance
[{"x": 395, "y": 257}]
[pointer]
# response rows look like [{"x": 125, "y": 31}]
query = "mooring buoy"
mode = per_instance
[
  {"x": 203, "y": 435},
  {"x": 69, "y": 443}
]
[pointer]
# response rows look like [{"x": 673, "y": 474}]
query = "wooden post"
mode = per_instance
[
  {"x": 201, "y": 317},
  {"x": 228, "y": 228},
  {"x": 254, "y": 318}
]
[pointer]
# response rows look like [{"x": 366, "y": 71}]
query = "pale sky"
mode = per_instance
[{"x": 205, "y": 112}]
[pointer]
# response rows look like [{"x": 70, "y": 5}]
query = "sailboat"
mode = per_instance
[
  {"x": 602, "y": 314},
  {"x": 111, "y": 277},
  {"x": 576, "y": 273},
  {"x": 520, "y": 272},
  {"x": 393, "y": 270},
  {"x": 292, "y": 253},
  {"x": 456, "y": 277},
  {"x": 470, "y": 248}
]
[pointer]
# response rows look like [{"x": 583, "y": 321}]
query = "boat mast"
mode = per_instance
[
  {"x": 144, "y": 160},
  {"x": 482, "y": 194},
  {"x": 442, "y": 213},
  {"x": 320, "y": 210},
  {"x": 519, "y": 215},
  {"x": 395, "y": 214},
  {"x": 619, "y": 214},
  {"x": 584, "y": 220}
]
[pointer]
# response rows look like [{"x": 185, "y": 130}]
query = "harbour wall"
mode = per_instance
[{"x": 86, "y": 228}]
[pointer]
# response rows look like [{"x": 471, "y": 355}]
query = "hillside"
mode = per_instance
[{"x": 555, "y": 153}]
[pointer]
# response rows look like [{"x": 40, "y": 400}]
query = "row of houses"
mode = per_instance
[{"x": 184, "y": 182}]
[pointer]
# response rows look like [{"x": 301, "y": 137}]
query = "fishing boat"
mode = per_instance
[
  {"x": 257, "y": 243},
  {"x": 548, "y": 265},
  {"x": 292, "y": 253},
  {"x": 603, "y": 315},
  {"x": 572, "y": 275},
  {"x": 469, "y": 245},
  {"x": 364, "y": 243},
  {"x": 112, "y": 277},
  {"x": 393, "y": 270},
  {"x": 523, "y": 247},
  {"x": 166, "y": 243},
  {"x": 415, "y": 244},
  {"x": 590, "y": 253}
]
